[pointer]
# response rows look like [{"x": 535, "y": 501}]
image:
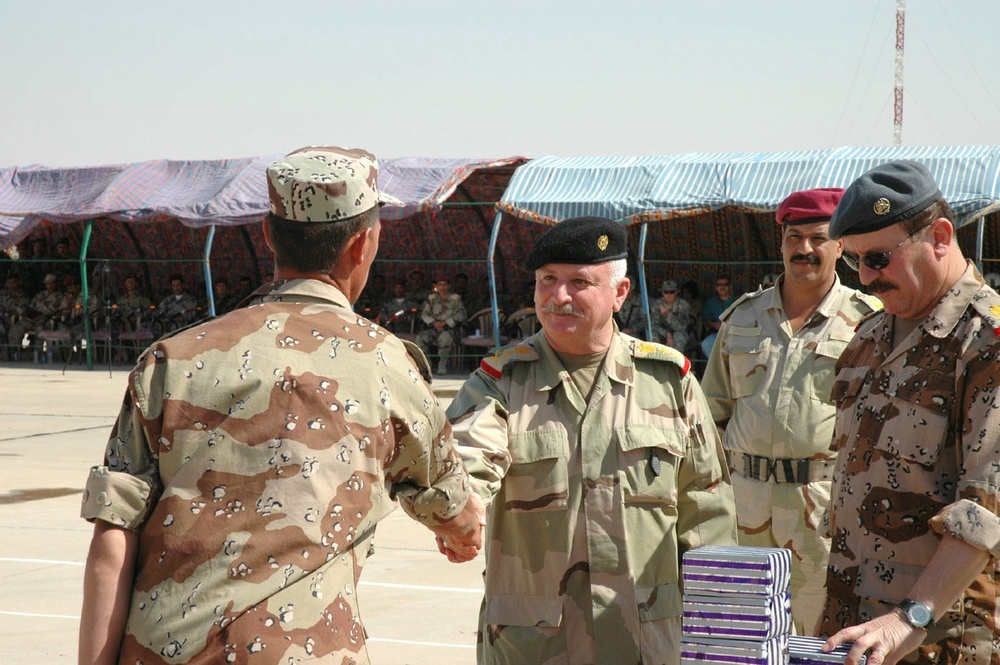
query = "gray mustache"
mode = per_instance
[{"x": 562, "y": 309}]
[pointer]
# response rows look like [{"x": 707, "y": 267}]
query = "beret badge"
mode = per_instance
[
  {"x": 602, "y": 242},
  {"x": 881, "y": 206}
]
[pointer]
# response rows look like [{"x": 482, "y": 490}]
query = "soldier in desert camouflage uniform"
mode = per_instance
[
  {"x": 254, "y": 455},
  {"x": 607, "y": 464},
  {"x": 768, "y": 384},
  {"x": 442, "y": 312},
  {"x": 916, "y": 490}
]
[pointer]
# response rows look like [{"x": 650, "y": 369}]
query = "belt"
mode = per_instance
[{"x": 782, "y": 470}]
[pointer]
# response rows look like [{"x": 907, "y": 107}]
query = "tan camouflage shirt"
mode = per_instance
[
  {"x": 918, "y": 435},
  {"x": 595, "y": 502},
  {"x": 769, "y": 387},
  {"x": 254, "y": 455},
  {"x": 450, "y": 309}
]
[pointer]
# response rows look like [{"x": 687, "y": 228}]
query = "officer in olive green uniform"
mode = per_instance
[
  {"x": 768, "y": 383},
  {"x": 915, "y": 508},
  {"x": 606, "y": 465},
  {"x": 255, "y": 453}
]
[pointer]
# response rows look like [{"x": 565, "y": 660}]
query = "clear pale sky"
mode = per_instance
[{"x": 117, "y": 81}]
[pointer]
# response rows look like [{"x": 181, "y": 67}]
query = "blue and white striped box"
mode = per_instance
[
  {"x": 808, "y": 651},
  {"x": 706, "y": 650},
  {"x": 731, "y": 569},
  {"x": 737, "y": 617}
]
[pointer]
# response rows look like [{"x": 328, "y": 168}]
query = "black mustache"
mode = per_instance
[
  {"x": 879, "y": 286},
  {"x": 806, "y": 258}
]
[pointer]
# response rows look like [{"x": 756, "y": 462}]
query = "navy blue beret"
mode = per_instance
[
  {"x": 580, "y": 240},
  {"x": 888, "y": 194}
]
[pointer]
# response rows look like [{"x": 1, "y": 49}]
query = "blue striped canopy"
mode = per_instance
[{"x": 642, "y": 189}]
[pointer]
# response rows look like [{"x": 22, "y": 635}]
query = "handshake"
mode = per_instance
[{"x": 461, "y": 538}]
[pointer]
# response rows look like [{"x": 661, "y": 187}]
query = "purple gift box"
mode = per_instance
[
  {"x": 731, "y": 569},
  {"x": 737, "y": 617},
  {"x": 704, "y": 650}
]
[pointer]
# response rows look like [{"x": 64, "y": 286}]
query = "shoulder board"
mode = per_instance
[
  {"x": 656, "y": 351},
  {"x": 743, "y": 298},
  {"x": 493, "y": 364},
  {"x": 873, "y": 303},
  {"x": 987, "y": 305}
]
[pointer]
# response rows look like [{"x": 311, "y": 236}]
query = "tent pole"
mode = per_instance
[
  {"x": 491, "y": 272},
  {"x": 643, "y": 288},
  {"x": 207, "y": 267},
  {"x": 88, "y": 231},
  {"x": 980, "y": 230}
]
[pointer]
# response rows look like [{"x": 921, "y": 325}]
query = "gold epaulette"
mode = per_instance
[
  {"x": 656, "y": 351},
  {"x": 494, "y": 364}
]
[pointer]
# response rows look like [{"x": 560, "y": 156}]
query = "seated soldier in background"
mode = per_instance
[
  {"x": 442, "y": 311},
  {"x": 398, "y": 312},
  {"x": 179, "y": 308},
  {"x": 671, "y": 318},
  {"x": 716, "y": 304},
  {"x": 133, "y": 306},
  {"x": 13, "y": 307}
]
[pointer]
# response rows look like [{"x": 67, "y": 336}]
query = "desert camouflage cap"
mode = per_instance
[{"x": 325, "y": 184}]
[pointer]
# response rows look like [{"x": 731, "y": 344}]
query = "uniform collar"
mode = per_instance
[
  {"x": 299, "y": 290},
  {"x": 618, "y": 363}
]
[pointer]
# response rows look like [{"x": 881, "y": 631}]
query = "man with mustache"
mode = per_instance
[
  {"x": 606, "y": 465},
  {"x": 768, "y": 384},
  {"x": 916, "y": 493}
]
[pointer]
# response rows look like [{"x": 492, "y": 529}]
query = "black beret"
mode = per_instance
[
  {"x": 580, "y": 240},
  {"x": 888, "y": 194}
]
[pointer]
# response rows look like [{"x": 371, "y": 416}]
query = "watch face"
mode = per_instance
[{"x": 919, "y": 614}]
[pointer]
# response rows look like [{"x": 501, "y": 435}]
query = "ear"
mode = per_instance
[
  {"x": 943, "y": 234},
  {"x": 840, "y": 247},
  {"x": 360, "y": 246},
  {"x": 621, "y": 293},
  {"x": 267, "y": 234}
]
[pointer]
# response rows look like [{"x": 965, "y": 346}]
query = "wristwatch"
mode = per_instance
[{"x": 917, "y": 614}]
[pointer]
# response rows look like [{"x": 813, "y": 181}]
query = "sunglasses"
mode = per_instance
[
  {"x": 875, "y": 260},
  {"x": 670, "y": 292}
]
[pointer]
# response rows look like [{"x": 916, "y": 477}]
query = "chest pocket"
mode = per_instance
[
  {"x": 747, "y": 351},
  {"x": 916, "y": 416},
  {"x": 537, "y": 479},
  {"x": 650, "y": 457},
  {"x": 824, "y": 368}
]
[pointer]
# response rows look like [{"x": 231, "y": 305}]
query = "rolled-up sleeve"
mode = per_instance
[
  {"x": 975, "y": 516},
  {"x": 123, "y": 490},
  {"x": 478, "y": 414}
]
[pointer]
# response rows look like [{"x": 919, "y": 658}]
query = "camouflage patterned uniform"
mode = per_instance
[
  {"x": 770, "y": 389},
  {"x": 452, "y": 312},
  {"x": 918, "y": 435},
  {"x": 176, "y": 311},
  {"x": 134, "y": 310},
  {"x": 597, "y": 501},
  {"x": 254, "y": 455}
]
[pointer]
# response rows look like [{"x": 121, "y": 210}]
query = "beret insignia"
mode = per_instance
[
  {"x": 602, "y": 242},
  {"x": 882, "y": 206}
]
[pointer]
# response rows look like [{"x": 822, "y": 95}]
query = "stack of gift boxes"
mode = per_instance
[{"x": 737, "y": 609}]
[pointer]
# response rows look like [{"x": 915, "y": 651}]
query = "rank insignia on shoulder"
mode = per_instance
[
  {"x": 494, "y": 364},
  {"x": 657, "y": 351}
]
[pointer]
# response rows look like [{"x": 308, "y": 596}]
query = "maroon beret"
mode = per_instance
[{"x": 808, "y": 206}]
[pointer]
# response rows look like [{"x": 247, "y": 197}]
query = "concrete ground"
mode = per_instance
[{"x": 417, "y": 607}]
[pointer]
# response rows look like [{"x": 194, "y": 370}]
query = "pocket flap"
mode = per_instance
[
  {"x": 740, "y": 341},
  {"x": 539, "y": 611},
  {"x": 831, "y": 348},
  {"x": 537, "y": 445},
  {"x": 636, "y": 437},
  {"x": 658, "y": 602}
]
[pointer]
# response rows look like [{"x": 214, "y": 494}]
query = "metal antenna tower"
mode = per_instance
[{"x": 897, "y": 106}]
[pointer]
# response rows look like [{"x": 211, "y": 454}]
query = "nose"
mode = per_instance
[{"x": 560, "y": 293}]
